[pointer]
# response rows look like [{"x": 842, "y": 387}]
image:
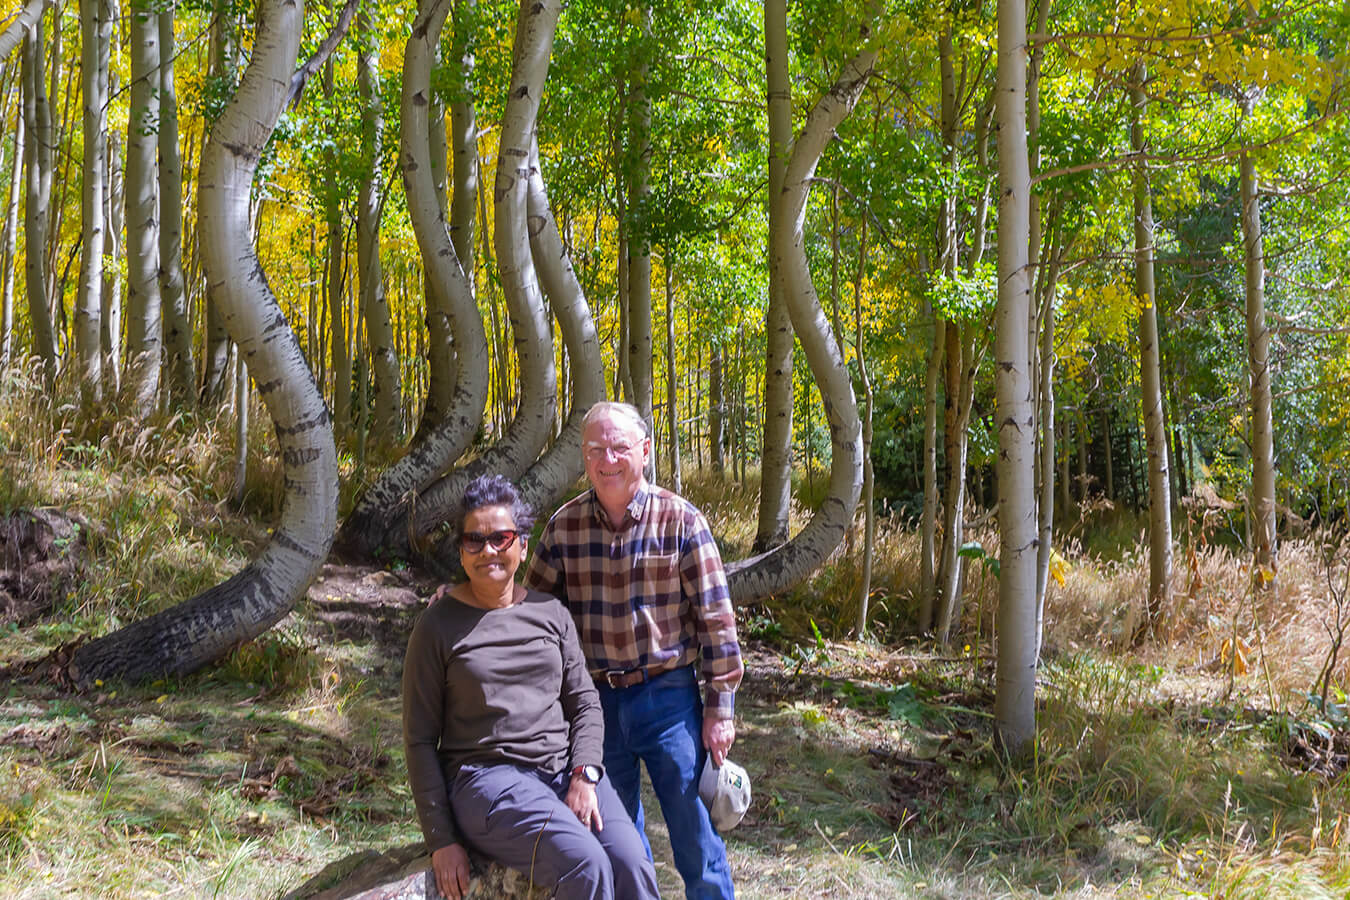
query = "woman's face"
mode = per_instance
[{"x": 489, "y": 566}]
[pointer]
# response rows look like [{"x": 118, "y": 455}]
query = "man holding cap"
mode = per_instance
[{"x": 639, "y": 569}]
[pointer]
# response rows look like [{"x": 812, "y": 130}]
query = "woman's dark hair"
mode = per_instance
[{"x": 494, "y": 490}]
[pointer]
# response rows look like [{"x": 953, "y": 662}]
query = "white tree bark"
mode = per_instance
[
  {"x": 11, "y": 241},
  {"x": 1015, "y": 686},
  {"x": 341, "y": 326},
  {"x": 384, "y": 507},
  {"x": 462, "y": 209},
  {"x": 387, "y": 424},
  {"x": 790, "y": 563},
  {"x": 1258, "y": 367},
  {"x": 775, "y": 489},
  {"x": 716, "y": 408},
  {"x": 37, "y": 196},
  {"x": 953, "y": 432},
  {"x": 554, "y": 473},
  {"x": 110, "y": 318},
  {"x": 532, "y": 425},
  {"x": 1045, "y": 468},
  {"x": 20, "y": 25},
  {"x": 928, "y": 518},
  {"x": 206, "y": 627},
  {"x": 216, "y": 350},
  {"x": 182, "y": 378},
  {"x": 1150, "y": 374},
  {"x": 639, "y": 259},
  {"x": 144, "y": 318},
  {"x": 95, "y": 34},
  {"x": 865, "y": 379}
]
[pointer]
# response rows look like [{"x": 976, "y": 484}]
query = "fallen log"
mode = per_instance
[{"x": 404, "y": 873}]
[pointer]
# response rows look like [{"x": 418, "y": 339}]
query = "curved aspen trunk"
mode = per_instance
[
  {"x": 790, "y": 563},
  {"x": 387, "y": 423},
  {"x": 1264, "y": 565},
  {"x": 462, "y": 207},
  {"x": 19, "y": 27},
  {"x": 532, "y": 425},
  {"x": 206, "y": 627},
  {"x": 553, "y": 474},
  {"x": 144, "y": 315},
  {"x": 381, "y": 516},
  {"x": 441, "y": 366},
  {"x": 1150, "y": 377},
  {"x": 95, "y": 34},
  {"x": 173, "y": 294},
  {"x": 38, "y": 189},
  {"x": 1015, "y": 679}
]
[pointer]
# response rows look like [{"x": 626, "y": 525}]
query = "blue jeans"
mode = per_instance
[{"x": 660, "y": 723}]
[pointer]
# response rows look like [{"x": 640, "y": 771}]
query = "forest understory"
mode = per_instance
[{"x": 1204, "y": 762}]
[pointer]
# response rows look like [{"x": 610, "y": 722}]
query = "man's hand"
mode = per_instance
[
  {"x": 451, "y": 867},
  {"x": 581, "y": 800},
  {"x": 718, "y": 736}
]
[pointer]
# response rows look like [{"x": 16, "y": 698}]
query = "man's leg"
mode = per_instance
[
  {"x": 665, "y": 720},
  {"x": 513, "y": 816},
  {"x": 621, "y": 762}
]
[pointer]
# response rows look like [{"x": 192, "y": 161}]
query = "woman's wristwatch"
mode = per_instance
[{"x": 589, "y": 773}]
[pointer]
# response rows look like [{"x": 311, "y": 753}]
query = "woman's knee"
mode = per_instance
[{"x": 586, "y": 873}]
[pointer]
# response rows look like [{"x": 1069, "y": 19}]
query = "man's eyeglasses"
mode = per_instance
[
  {"x": 501, "y": 541},
  {"x": 599, "y": 453}
]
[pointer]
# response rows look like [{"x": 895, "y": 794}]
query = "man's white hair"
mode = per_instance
[{"x": 626, "y": 411}]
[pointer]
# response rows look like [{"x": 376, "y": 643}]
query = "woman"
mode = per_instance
[{"x": 503, "y": 729}]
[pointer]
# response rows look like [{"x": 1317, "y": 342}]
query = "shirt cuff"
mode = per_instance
[{"x": 719, "y": 704}]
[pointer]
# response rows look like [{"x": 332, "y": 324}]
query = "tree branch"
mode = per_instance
[{"x": 321, "y": 54}]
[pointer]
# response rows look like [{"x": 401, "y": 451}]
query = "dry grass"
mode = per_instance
[{"x": 1160, "y": 772}]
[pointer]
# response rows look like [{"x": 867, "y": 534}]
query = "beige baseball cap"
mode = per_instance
[{"x": 725, "y": 790}]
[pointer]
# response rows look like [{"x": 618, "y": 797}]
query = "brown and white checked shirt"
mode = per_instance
[{"x": 650, "y": 595}]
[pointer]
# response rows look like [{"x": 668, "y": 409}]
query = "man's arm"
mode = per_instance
[
  {"x": 543, "y": 574},
  {"x": 704, "y": 581}
]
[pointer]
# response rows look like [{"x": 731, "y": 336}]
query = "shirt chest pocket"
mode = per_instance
[{"x": 656, "y": 578}]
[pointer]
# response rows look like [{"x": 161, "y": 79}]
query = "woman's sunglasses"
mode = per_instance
[{"x": 473, "y": 542}]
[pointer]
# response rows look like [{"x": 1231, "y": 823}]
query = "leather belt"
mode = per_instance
[{"x": 619, "y": 678}]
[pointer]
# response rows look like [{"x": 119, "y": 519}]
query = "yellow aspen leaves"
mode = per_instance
[
  {"x": 1059, "y": 567},
  {"x": 1235, "y": 653}
]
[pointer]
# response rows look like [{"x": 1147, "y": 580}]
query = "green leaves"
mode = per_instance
[{"x": 966, "y": 298}]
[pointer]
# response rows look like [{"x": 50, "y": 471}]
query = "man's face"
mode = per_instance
[{"x": 616, "y": 452}]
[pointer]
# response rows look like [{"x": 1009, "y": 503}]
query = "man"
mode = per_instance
[{"x": 638, "y": 567}]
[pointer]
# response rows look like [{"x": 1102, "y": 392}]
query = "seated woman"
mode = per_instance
[{"x": 503, "y": 729}]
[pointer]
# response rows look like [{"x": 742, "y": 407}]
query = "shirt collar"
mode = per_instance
[{"x": 634, "y": 509}]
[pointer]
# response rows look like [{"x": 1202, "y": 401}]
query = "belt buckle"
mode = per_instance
[{"x": 612, "y": 677}]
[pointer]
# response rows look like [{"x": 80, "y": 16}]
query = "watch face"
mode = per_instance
[{"x": 591, "y": 773}]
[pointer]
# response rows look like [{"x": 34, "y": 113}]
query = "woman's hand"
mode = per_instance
[
  {"x": 581, "y": 800},
  {"x": 451, "y": 867}
]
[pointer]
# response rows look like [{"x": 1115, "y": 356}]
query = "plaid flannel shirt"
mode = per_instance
[{"x": 651, "y": 594}]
